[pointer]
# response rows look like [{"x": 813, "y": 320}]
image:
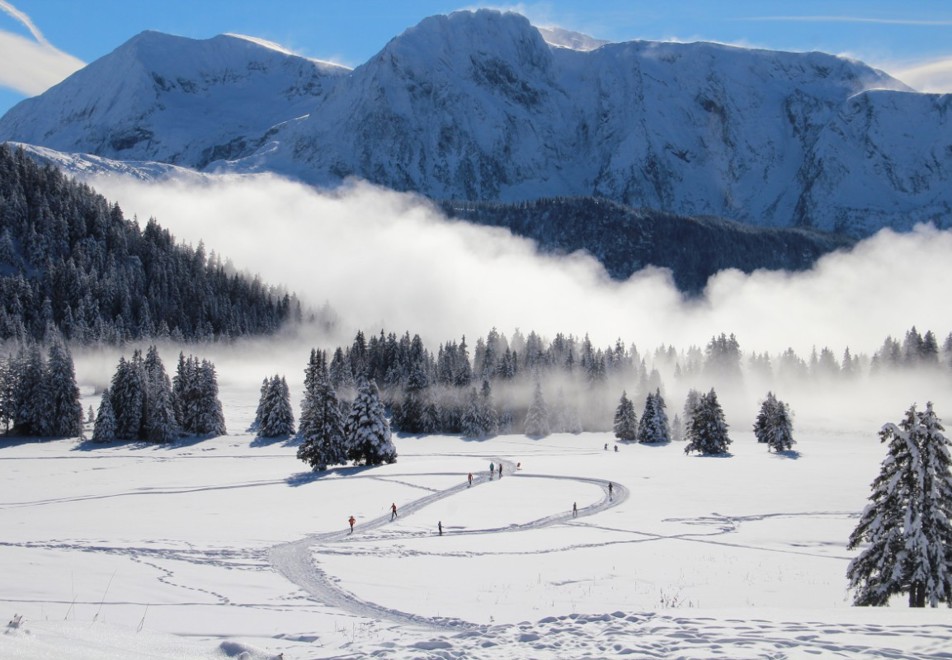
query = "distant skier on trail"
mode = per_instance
[
  {"x": 470, "y": 478},
  {"x": 439, "y": 526},
  {"x": 393, "y": 511},
  {"x": 575, "y": 509},
  {"x": 352, "y": 520},
  {"x": 611, "y": 488},
  {"x": 492, "y": 470},
  {"x": 500, "y": 470}
]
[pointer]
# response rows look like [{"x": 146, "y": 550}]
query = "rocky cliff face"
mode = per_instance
[{"x": 478, "y": 106}]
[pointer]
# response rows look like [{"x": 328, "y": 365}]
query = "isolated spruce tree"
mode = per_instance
[
  {"x": 277, "y": 418},
  {"x": 321, "y": 430},
  {"x": 626, "y": 421},
  {"x": 64, "y": 411},
  {"x": 211, "y": 419},
  {"x": 708, "y": 431},
  {"x": 537, "y": 417},
  {"x": 104, "y": 430},
  {"x": 368, "y": 431},
  {"x": 773, "y": 425},
  {"x": 907, "y": 525}
]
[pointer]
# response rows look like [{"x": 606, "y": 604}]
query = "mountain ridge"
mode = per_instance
[{"x": 478, "y": 106}]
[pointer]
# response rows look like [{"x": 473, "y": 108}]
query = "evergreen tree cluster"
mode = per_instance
[
  {"x": 39, "y": 396},
  {"x": 69, "y": 261},
  {"x": 143, "y": 404},
  {"x": 653, "y": 427},
  {"x": 328, "y": 437},
  {"x": 906, "y": 529}
]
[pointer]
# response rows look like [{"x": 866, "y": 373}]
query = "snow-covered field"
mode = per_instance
[{"x": 226, "y": 546}]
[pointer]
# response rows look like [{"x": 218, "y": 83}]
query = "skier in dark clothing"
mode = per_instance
[
  {"x": 439, "y": 526},
  {"x": 611, "y": 488},
  {"x": 393, "y": 510},
  {"x": 352, "y": 520},
  {"x": 574, "y": 509},
  {"x": 500, "y": 470},
  {"x": 470, "y": 477},
  {"x": 492, "y": 470}
]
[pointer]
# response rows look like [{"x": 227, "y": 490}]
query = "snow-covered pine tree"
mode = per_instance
[
  {"x": 321, "y": 431},
  {"x": 537, "y": 417},
  {"x": 690, "y": 405},
  {"x": 774, "y": 425},
  {"x": 626, "y": 421},
  {"x": 195, "y": 397},
  {"x": 653, "y": 427},
  {"x": 708, "y": 432},
  {"x": 211, "y": 420},
  {"x": 31, "y": 398},
  {"x": 907, "y": 525},
  {"x": 368, "y": 431},
  {"x": 646, "y": 423},
  {"x": 64, "y": 409},
  {"x": 128, "y": 398},
  {"x": 159, "y": 424},
  {"x": 104, "y": 429},
  {"x": 262, "y": 400},
  {"x": 277, "y": 417}
]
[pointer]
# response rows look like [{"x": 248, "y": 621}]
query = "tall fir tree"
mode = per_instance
[
  {"x": 537, "y": 417},
  {"x": 159, "y": 424},
  {"x": 127, "y": 392},
  {"x": 321, "y": 431},
  {"x": 104, "y": 430},
  {"x": 64, "y": 409},
  {"x": 367, "y": 428},
  {"x": 708, "y": 433},
  {"x": 626, "y": 420},
  {"x": 277, "y": 417},
  {"x": 907, "y": 526}
]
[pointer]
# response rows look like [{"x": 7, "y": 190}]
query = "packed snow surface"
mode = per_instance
[{"x": 227, "y": 546}]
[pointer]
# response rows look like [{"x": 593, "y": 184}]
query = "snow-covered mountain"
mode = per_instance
[
  {"x": 478, "y": 106},
  {"x": 173, "y": 100}
]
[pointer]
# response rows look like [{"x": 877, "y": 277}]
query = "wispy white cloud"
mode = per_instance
[
  {"x": 31, "y": 66},
  {"x": 24, "y": 19},
  {"x": 933, "y": 76}
]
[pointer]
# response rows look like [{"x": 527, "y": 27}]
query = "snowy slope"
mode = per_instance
[
  {"x": 232, "y": 546},
  {"x": 477, "y": 105}
]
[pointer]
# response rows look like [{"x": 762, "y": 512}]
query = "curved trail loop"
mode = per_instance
[{"x": 294, "y": 560}]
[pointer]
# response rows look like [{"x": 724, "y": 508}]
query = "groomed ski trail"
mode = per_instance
[{"x": 294, "y": 560}]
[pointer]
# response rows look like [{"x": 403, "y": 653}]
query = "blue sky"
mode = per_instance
[{"x": 42, "y": 41}]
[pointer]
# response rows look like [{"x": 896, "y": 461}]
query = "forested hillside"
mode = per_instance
[
  {"x": 625, "y": 240},
  {"x": 69, "y": 260}
]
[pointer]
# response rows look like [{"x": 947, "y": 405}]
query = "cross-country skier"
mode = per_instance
[
  {"x": 352, "y": 520},
  {"x": 393, "y": 509}
]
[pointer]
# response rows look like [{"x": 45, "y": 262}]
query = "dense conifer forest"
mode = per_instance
[{"x": 71, "y": 261}]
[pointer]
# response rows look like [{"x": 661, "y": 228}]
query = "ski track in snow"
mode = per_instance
[
  {"x": 294, "y": 560},
  {"x": 642, "y": 635}
]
